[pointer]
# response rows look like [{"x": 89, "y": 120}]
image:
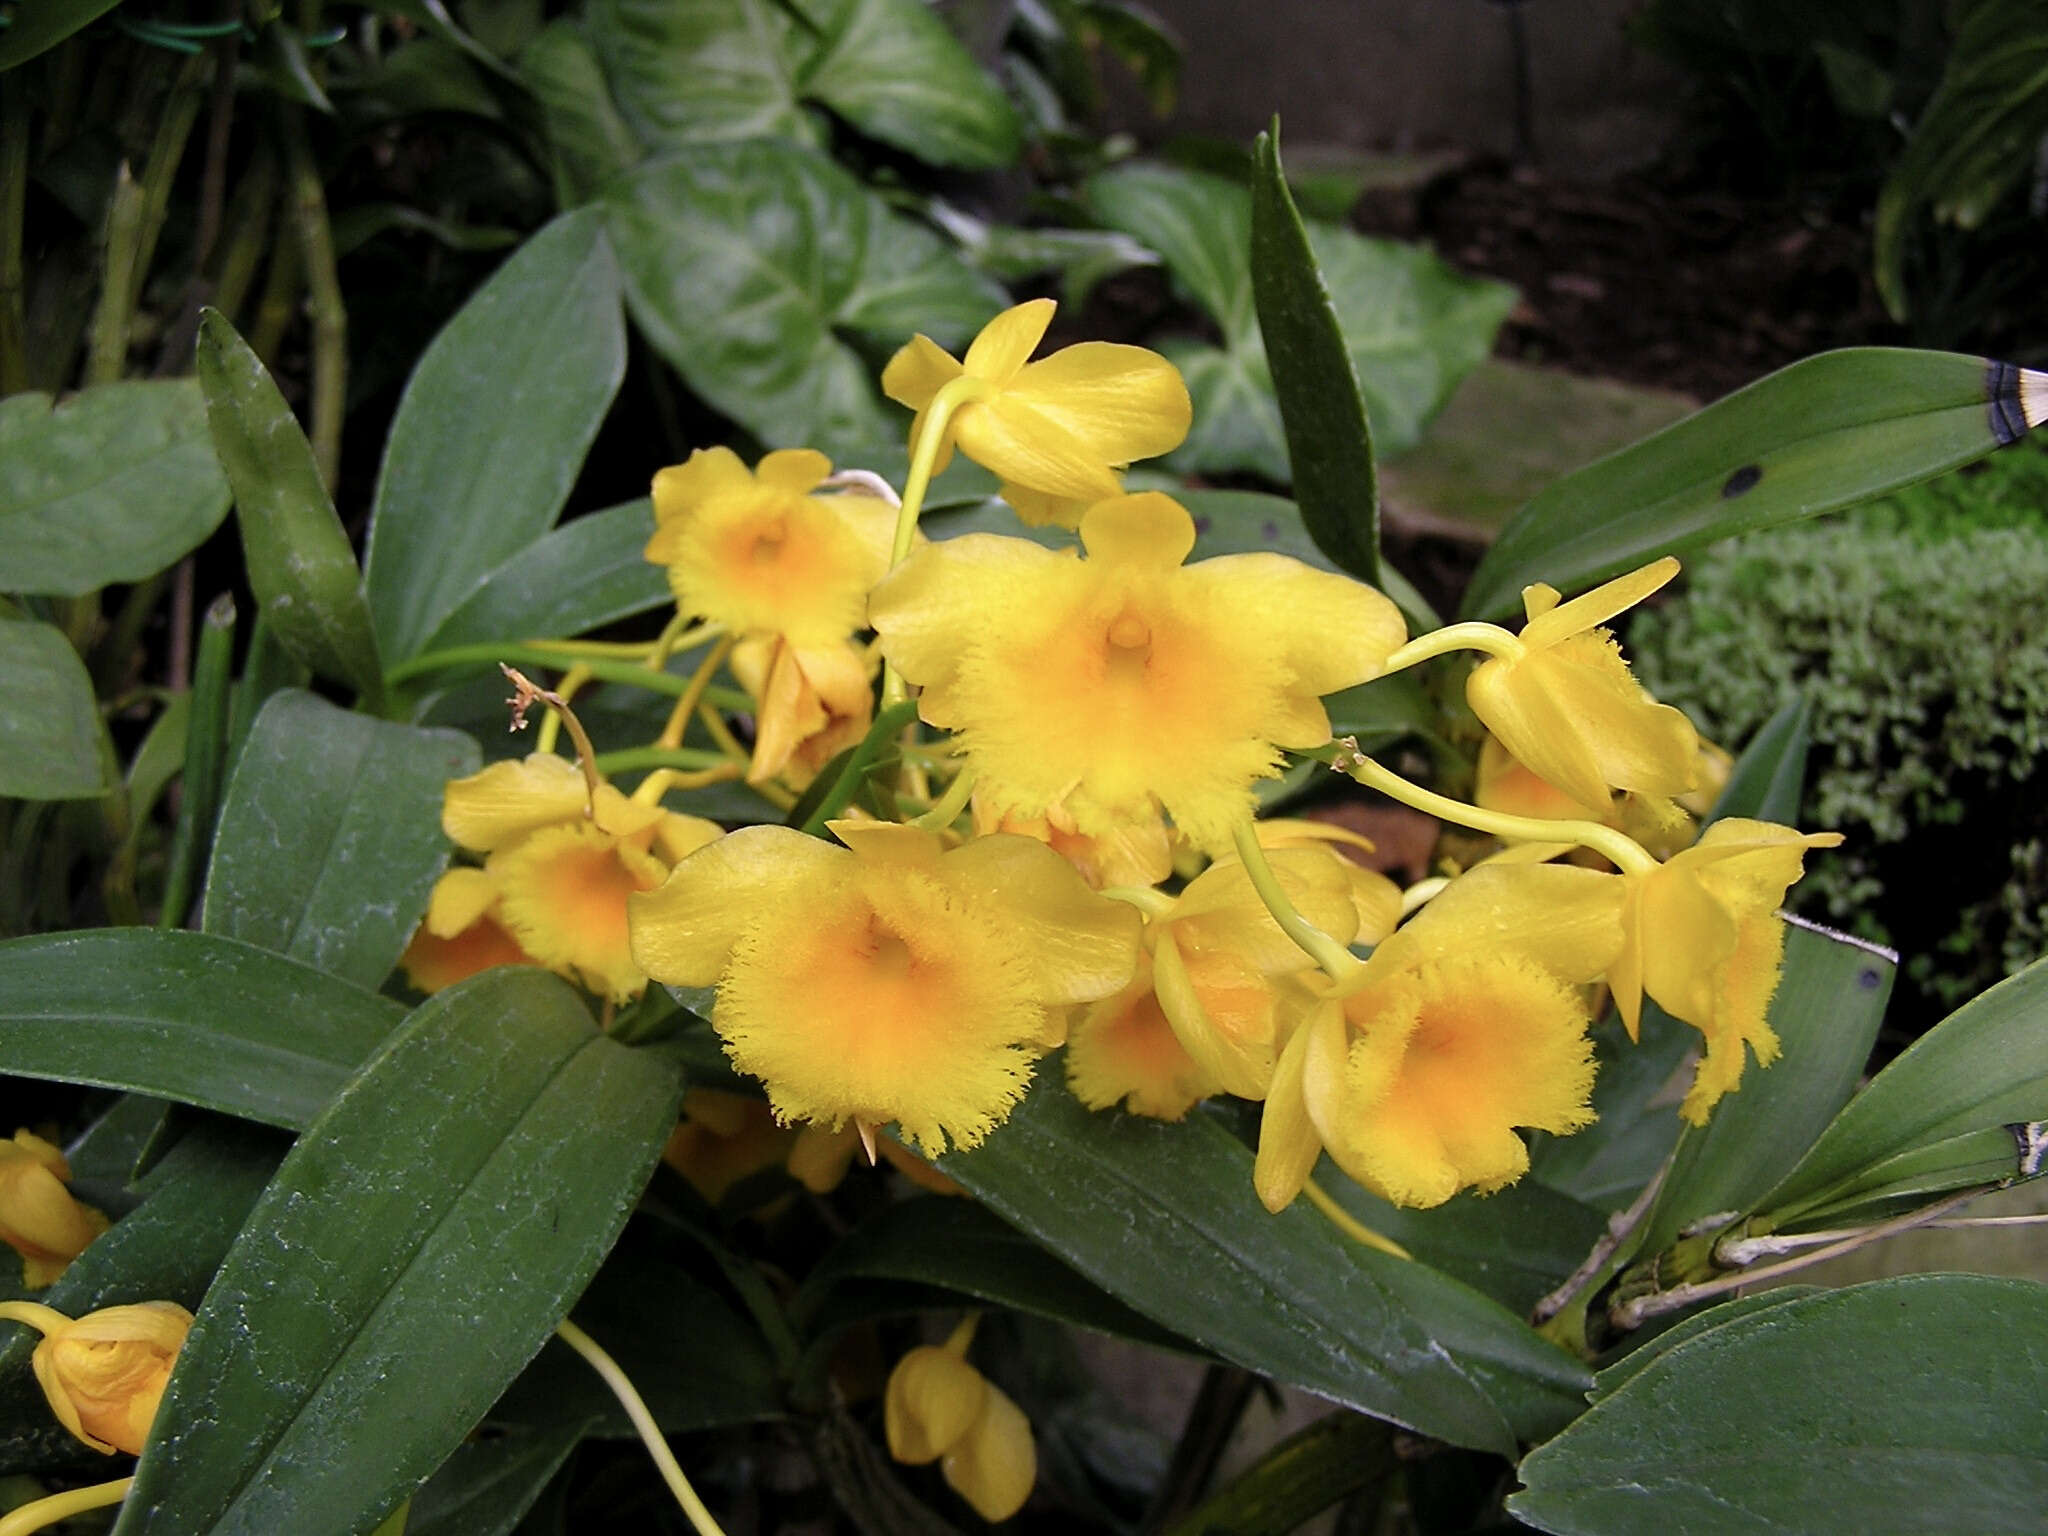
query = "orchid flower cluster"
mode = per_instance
[{"x": 1081, "y": 864}]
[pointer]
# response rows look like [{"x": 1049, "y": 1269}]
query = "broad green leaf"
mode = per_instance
[
  {"x": 893, "y": 70},
  {"x": 416, "y": 1248},
  {"x": 1201, "y": 227},
  {"x": 1515, "y": 1245},
  {"x": 713, "y": 69},
  {"x": 486, "y": 1487},
  {"x": 1329, "y": 440},
  {"x": 194, "y": 1201},
  {"x": 492, "y": 429},
  {"x": 803, "y": 252},
  {"x": 210, "y": 747},
  {"x": 1648, "y": 1346},
  {"x": 591, "y": 141},
  {"x": 1829, "y": 1003},
  {"x": 1769, "y": 779},
  {"x": 1237, "y": 426},
  {"x": 1904, "y": 1405},
  {"x": 184, "y": 1016},
  {"x": 111, "y": 1148},
  {"x": 33, "y": 29},
  {"x": 50, "y": 732},
  {"x": 1163, "y": 1217},
  {"x": 588, "y": 572},
  {"x": 699, "y": 1363},
  {"x": 1984, "y": 1066},
  {"x": 299, "y": 562},
  {"x": 113, "y": 485},
  {"x": 1827, "y": 432},
  {"x": 956, "y": 1246},
  {"x": 330, "y": 836}
]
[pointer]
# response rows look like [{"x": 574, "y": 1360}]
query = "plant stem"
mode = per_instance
[
  {"x": 323, "y": 285},
  {"x": 14, "y": 369},
  {"x": 173, "y": 130},
  {"x": 953, "y": 394},
  {"x": 62, "y": 1506},
  {"x": 643, "y": 1424},
  {"x": 950, "y": 804},
  {"x": 1338, "y": 963},
  {"x": 1490, "y": 638},
  {"x": 108, "y": 357}
]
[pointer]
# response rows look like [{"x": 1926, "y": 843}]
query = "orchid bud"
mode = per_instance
[
  {"x": 39, "y": 1219},
  {"x": 105, "y": 1373}
]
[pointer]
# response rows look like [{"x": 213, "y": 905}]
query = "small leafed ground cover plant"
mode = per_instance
[{"x": 894, "y": 931}]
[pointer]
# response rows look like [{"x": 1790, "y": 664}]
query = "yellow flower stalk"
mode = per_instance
[
  {"x": 1112, "y": 685},
  {"x": 1463, "y": 1026},
  {"x": 1564, "y": 703},
  {"x": 560, "y": 866},
  {"x": 936, "y": 1406},
  {"x": 1703, "y": 939},
  {"x": 755, "y": 552},
  {"x": 104, "y": 1373},
  {"x": 1059, "y": 427},
  {"x": 813, "y": 702},
  {"x": 889, "y": 979},
  {"x": 39, "y": 1217}
]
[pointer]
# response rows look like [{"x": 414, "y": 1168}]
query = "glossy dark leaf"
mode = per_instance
[
  {"x": 330, "y": 836},
  {"x": 417, "y": 1247},
  {"x": 185, "y": 1016},
  {"x": 587, "y": 573},
  {"x": 35, "y": 29}
]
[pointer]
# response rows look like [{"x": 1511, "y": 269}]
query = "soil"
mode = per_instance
[{"x": 1642, "y": 281}]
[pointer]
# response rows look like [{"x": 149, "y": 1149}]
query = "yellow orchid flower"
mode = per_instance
[
  {"x": 812, "y": 702},
  {"x": 1660, "y": 824},
  {"x": 756, "y": 552},
  {"x": 1464, "y": 1025},
  {"x": 39, "y": 1218},
  {"x": 461, "y": 933},
  {"x": 1564, "y": 703},
  {"x": 1115, "y": 684},
  {"x": 1703, "y": 939},
  {"x": 1123, "y": 1050},
  {"x": 1059, "y": 427},
  {"x": 723, "y": 1138},
  {"x": 1139, "y": 854},
  {"x": 936, "y": 1406},
  {"x": 559, "y": 866},
  {"x": 104, "y": 1374},
  {"x": 889, "y": 979}
]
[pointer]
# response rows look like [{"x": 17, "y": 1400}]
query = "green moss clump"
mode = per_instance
[{"x": 1917, "y": 626}]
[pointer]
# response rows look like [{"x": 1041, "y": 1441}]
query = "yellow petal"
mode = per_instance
[
  {"x": 1551, "y": 622},
  {"x": 1026, "y": 447},
  {"x": 1124, "y": 1052},
  {"x": 564, "y": 893},
  {"x": 685, "y": 932},
  {"x": 706, "y": 473},
  {"x": 1749, "y": 979},
  {"x": 1568, "y": 919},
  {"x": 39, "y": 1218},
  {"x": 994, "y": 1464},
  {"x": 1008, "y": 341},
  {"x": 932, "y": 1400},
  {"x": 1288, "y": 1143},
  {"x": 507, "y": 800},
  {"x": 1121, "y": 403},
  {"x": 1638, "y": 743},
  {"x": 1333, "y": 632},
  {"x": 1082, "y": 946},
  {"x": 104, "y": 1374},
  {"x": 460, "y": 897},
  {"x": 1223, "y": 1012},
  {"x": 917, "y": 372},
  {"x": 1039, "y": 510},
  {"x": 795, "y": 470},
  {"x": 1221, "y": 909},
  {"x": 1146, "y": 529},
  {"x": 1511, "y": 701}
]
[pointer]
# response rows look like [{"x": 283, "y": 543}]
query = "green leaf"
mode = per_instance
[
  {"x": 417, "y": 1247},
  {"x": 1227, "y": 522},
  {"x": 1829, "y": 1003},
  {"x": 1983, "y": 1067},
  {"x": 893, "y": 70},
  {"x": 185, "y": 1016},
  {"x": 113, "y": 485},
  {"x": 714, "y": 69},
  {"x": 34, "y": 29},
  {"x": 299, "y": 562},
  {"x": 1898, "y": 1406},
  {"x": 590, "y": 140},
  {"x": 956, "y": 1246},
  {"x": 1768, "y": 780},
  {"x": 492, "y": 429},
  {"x": 486, "y": 1487},
  {"x": 1163, "y": 1217},
  {"x": 1608, "y": 1163},
  {"x": 1614, "y": 1377},
  {"x": 1827, "y": 432},
  {"x": 804, "y": 252},
  {"x": 330, "y": 836},
  {"x": 50, "y": 732},
  {"x": 1237, "y": 426},
  {"x": 588, "y": 572},
  {"x": 1201, "y": 227},
  {"x": 1329, "y": 440}
]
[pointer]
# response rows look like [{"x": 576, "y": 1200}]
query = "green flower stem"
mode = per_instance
[
  {"x": 949, "y": 805},
  {"x": 1148, "y": 901},
  {"x": 1349, "y": 1224},
  {"x": 323, "y": 290},
  {"x": 938, "y": 418},
  {"x": 643, "y": 1424},
  {"x": 682, "y": 759},
  {"x": 107, "y": 358},
  {"x": 1490, "y": 638},
  {"x": 631, "y": 673},
  {"x": 1624, "y": 852},
  {"x": 1338, "y": 963},
  {"x": 173, "y": 131},
  {"x": 62, "y": 1506},
  {"x": 248, "y": 226},
  {"x": 14, "y": 369},
  {"x": 278, "y": 305}
]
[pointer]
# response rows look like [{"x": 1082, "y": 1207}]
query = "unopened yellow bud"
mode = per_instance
[
  {"x": 39, "y": 1219},
  {"x": 105, "y": 1373},
  {"x": 938, "y": 1406},
  {"x": 995, "y": 1463}
]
